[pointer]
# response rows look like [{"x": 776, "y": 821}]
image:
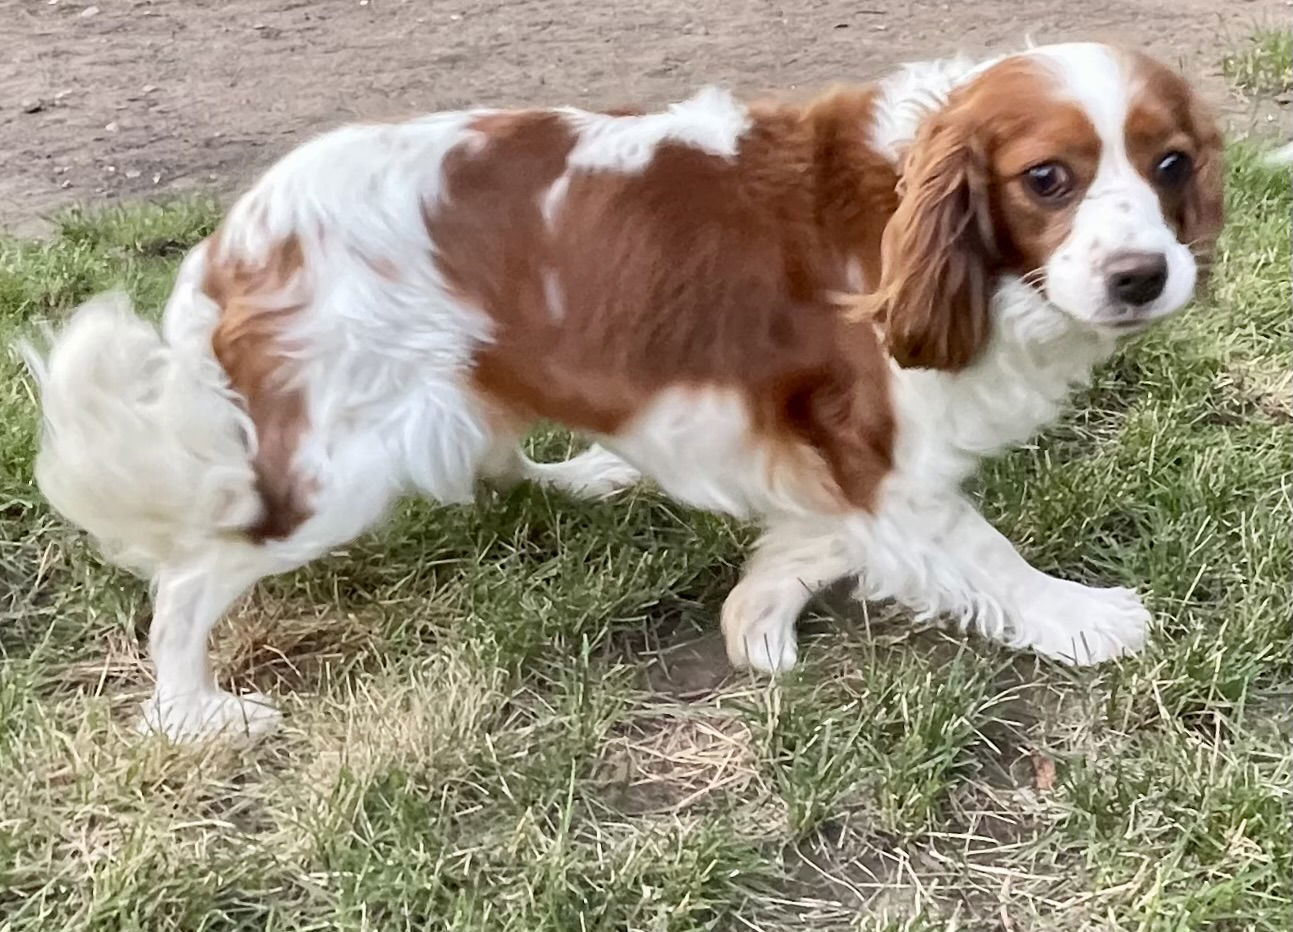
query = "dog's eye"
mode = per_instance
[
  {"x": 1050, "y": 181},
  {"x": 1173, "y": 169}
]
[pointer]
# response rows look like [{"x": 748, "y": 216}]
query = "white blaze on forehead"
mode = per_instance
[
  {"x": 1120, "y": 211},
  {"x": 1094, "y": 77},
  {"x": 710, "y": 120},
  {"x": 1099, "y": 80}
]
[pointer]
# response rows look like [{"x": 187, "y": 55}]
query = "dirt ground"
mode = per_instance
[{"x": 123, "y": 98}]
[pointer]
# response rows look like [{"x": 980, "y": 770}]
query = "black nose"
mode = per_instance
[{"x": 1136, "y": 278}]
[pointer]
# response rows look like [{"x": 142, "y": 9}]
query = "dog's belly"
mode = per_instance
[{"x": 699, "y": 445}]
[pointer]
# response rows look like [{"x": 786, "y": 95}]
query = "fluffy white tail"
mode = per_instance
[
  {"x": 144, "y": 447},
  {"x": 1281, "y": 156}
]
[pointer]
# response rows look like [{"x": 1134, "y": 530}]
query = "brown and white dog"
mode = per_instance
[{"x": 818, "y": 317}]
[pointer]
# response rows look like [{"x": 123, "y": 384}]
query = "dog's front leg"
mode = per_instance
[
  {"x": 791, "y": 562},
  {"x": 938, "y": 556}
]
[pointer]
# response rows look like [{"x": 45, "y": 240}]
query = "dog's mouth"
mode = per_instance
[
  {"x": 1125, "y": 321},
  {"x": 1127, "y": 327}
]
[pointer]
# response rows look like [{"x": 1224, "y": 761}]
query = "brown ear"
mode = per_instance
[
  {"x": 938, "y": 252},
  {"x": 1204, "y": 208}
]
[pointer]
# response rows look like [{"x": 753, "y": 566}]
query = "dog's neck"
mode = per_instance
[
  {"x": 1036, "y": 358},
  {"x": 828, "y": 172},
  {"x": 830, "y": 191}
]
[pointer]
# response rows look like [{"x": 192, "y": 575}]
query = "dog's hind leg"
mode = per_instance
[
  {"x": 188, "y": 599},
  {"x": 191, "y": 595}
]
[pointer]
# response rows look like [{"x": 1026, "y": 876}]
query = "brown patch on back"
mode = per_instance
[
  {"x": 1167, "y": 115},
  {"x": 489, "y": 234},
  {"x": 696, "y": 271},
  {"x": 255, "y": 297}
]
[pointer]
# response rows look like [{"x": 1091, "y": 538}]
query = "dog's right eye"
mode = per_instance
[
  {"x": 1049, "y": 181},
  {"x": 1173, "y": 170}
]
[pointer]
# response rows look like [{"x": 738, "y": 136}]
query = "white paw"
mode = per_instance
[
  {"x": 1083, "y": 625},
  {"x": 205, "y": 715},
  {"x": 758, "y": 637}
]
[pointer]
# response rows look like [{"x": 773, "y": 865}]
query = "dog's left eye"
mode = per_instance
[{"x": 1173, "y": 169}]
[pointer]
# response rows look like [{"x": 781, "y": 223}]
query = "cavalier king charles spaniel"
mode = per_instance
[{"x": 817, "y": 316}]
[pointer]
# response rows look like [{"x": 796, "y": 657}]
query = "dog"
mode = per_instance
[{"x": 817, "y": 316}]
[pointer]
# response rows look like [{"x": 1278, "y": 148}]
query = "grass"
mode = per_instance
[
  {"x": 1263, "y": 64},
  {"x": 517, "y": 716}
]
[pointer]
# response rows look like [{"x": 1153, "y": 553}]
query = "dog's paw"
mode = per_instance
[
  {"x": 758, "y": 637},
  {"x": 208, "y": 715},
  {"x": 1083, "y": 625}
]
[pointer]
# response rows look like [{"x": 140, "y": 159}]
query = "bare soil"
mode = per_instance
[{"x": 123, "y": 98}]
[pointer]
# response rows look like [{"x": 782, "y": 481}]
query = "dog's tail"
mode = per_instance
[
  {"x": 144, "y": 445},
  {"x": 1281, "y": 156}
]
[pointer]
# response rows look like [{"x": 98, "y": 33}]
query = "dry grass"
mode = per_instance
[{"x": 1263, "y": 62}]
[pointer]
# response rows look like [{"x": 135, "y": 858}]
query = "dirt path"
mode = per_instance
[{"x": 129, "y": 97}]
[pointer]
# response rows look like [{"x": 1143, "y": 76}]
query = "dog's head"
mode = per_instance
[{"x": 1093, "y": 175}]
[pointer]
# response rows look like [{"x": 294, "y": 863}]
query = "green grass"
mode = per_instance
[
  {"x": 1263, "y": 64},
  {"x": 515, "y": 716}
]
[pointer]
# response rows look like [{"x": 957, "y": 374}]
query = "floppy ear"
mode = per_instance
[
  {"x": 1204, "y": 207},
  {"x": 938, "y": 252}
]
